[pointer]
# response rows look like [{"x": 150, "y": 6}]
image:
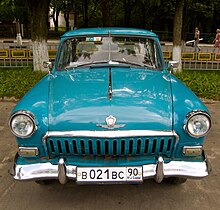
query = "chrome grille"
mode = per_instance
[{"x": 113, "y": 146}]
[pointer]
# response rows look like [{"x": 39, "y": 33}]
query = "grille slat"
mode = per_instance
[
  {"x": 150, "y": 146},
  {"x": 56, "y": 147},
  {"x": 126, "y": 149},
  {"x": 102, "y": 147},
  {"x": 119, "y": 148},
  {"x": 116, "y": 146}
]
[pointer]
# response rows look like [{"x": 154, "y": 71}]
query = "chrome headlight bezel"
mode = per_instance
[
  {"x": 31, "y": 119},
  {"x": 191, "y": 116}
]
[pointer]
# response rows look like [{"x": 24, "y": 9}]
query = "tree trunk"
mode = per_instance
[
  {"x": 40, "y": 54},
  {"x": 177, "y": 34},
  {"x": 127, "y": 12},
  {"x": 38, "y": 15},
  {"x": 56, "y": 20},
  {"x": 86, "y": 18},
  {"x": 105, "y": 13},
  {"x": 143, "y": 10},
  {"x": 66, "y": 17}
]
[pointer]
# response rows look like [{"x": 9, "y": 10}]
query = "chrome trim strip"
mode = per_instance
[
  {"x": 109, "y": 134},
  {"x": 110, "y": 83},
  {"x": 158, "y": 171},
  {"x": 197, "y": 111}
]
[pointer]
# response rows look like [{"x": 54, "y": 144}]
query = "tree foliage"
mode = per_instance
[
  {"x": 7, "y": 13},
  {"x": 10, "y": 10},
  {"x": 156, "y": 15}
]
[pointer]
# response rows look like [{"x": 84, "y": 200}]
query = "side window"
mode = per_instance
[
  {"x": 152, "y": 53},
  {"x": 65, "y": 55}
]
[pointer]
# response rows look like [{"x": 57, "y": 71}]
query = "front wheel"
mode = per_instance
[{"x": 176, "y": 180}]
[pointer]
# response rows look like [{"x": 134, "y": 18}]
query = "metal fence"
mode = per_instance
[
  {"x": 208, "y": 58},
  {"x": 13, "y": 55},
  {"x": 205, "y": 58}
]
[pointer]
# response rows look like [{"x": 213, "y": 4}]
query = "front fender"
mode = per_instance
[
  {"x": 184, "y": 101},
  {"x": 36, "y": 102}
]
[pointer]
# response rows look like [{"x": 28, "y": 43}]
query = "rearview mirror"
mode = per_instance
[
  {"x": 48, "y": 65},
  {"x": 172, "y": 65}
]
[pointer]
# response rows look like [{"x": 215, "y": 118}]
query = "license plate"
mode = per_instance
[{"x": 110, "y": 174}]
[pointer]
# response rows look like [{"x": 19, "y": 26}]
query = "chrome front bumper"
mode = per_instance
[{"x": 158, "y": 171}]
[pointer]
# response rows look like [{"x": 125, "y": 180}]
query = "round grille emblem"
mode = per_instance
[{"x": 110, "y": 121}]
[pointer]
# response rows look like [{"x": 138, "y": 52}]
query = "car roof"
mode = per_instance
[{"x": 103, "y": 31}]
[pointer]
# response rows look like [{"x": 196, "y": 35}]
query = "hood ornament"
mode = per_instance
[{"x": 110, "y": 123}]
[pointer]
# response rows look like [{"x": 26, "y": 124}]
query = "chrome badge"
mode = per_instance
[{"x": 111, "y": 123}]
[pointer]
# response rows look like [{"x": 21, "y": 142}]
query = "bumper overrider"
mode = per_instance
[{"x": 158, "y": 171}]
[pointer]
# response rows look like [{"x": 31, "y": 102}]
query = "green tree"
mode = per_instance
[
  {"x": 105, "y": 6},
  {"x": 56, "y": 6},
  {"x": 203, "y": 14},
  {"x": 69, "y": 7},
  {"x": 7, "y": 11}
]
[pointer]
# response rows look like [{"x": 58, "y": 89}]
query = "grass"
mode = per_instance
[
  {"x": 16, "y": 82},
  {"x": 205, "y": 84}
]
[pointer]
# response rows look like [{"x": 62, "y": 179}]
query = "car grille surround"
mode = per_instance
[{"x": 120, "y": 146}]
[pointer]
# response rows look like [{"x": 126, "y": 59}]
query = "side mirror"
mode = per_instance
[
  {"x": 48, "y": 65},
  {"x": 172, "y": 65}
]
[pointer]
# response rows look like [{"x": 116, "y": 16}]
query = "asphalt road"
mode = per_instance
[{"x": 194, "y": 194}]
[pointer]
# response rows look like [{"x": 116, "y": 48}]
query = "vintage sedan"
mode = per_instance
[{"x": 110, "y": 111}]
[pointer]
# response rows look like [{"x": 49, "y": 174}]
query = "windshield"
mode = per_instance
[{"x": 80, "y": 51}]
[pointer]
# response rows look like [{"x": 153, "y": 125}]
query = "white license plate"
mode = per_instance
[{"x": 109, "y": 174}]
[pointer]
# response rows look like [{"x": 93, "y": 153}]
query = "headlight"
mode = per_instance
[
  {"x": 22, "y": 124},
  {"x": 198, "y": 123}
]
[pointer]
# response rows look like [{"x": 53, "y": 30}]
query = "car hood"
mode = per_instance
[{"x": 79, "y": 99}]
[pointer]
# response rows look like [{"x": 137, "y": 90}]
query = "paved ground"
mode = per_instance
[{"x": 194, "y": 194}]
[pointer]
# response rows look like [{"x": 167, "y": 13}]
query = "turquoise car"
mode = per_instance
[{"x": 110, "y": 111}]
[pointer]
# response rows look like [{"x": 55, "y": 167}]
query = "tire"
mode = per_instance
[
  {"x": 176, "y": 180},
  {"x": 44, "y": 182}
]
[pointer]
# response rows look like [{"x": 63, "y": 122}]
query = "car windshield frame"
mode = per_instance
[{"x": 136, "y": 51}]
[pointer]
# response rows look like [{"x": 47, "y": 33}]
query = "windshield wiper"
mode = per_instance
[
  {"x": 131, "y": 63},
  {"x": 112, "y": 62},
  {"x": 94, "y": 64},
  {"x": 80, "y": 64}
]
